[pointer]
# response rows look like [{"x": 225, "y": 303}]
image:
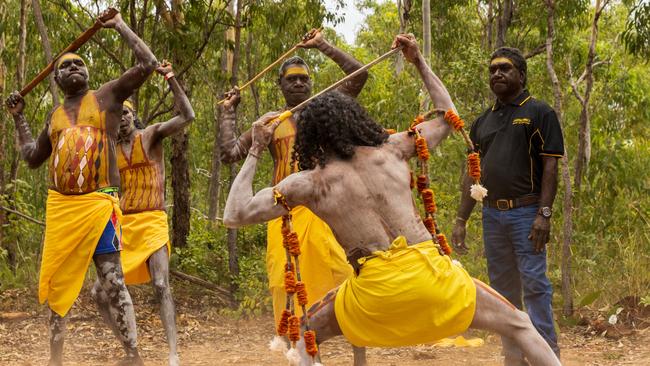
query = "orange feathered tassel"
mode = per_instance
[
  {"x": 289, "y": 282},
  {"x": 454, "y": 120},
  {"x": 301, "y": 292},
  {"x": 442, "y": 241},
  {"x": 429, "y": 201},
  {"x": 390, "y": 130},
  {"x": 412, "y": 183},
  {"x": 430, "y": 223},
  {"x": 294, "y": 328},
  {"x": 283, "y": 325},
  {"x": 474, "y": 166},
  {"x": 417, "y": 120},
  {"x": 310, "y": 342},
  {"x": 292, "y": 243},
  {"x": 422, "y": 148},
  {"x": 423, "y": 182}
]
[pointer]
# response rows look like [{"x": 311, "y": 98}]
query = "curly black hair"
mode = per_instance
[{"x": 333, "y": 124}]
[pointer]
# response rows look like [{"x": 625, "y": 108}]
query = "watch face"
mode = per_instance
[{"x": 546, "y": 212}]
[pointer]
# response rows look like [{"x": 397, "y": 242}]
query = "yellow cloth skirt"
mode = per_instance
[
  {"x": 403, "y": 296},
  {"x": 73, "y": 226},
  {"x": 323, "y": 264},
  {"x": 143, "y": 233}
]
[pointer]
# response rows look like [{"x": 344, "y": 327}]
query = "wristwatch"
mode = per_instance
[{"x": 545, "y": 212}]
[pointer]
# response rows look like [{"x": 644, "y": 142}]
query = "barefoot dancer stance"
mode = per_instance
[
  {"x": 145, "y": 235},
  {"x": 356, "y": 177},
  {"x": 324, "y": 265},
  {"x": 82, "y": 219}
]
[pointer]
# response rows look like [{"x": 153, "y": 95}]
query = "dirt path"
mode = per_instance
[{"x": 208, "y": 338}]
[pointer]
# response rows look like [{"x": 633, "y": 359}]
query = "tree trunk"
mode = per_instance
[
  {"x": 233, "y": 257},
  {"x": 567, "y": 229},
  {"x": 505, "y": 18},
  {"x": 215, "y": 170},
  {"x": 490, "y": 25},
  {"x": 3, "y": 123},
  {"x": 45, "y": 41},
  {"x": 180, "y": 171},
  {"x": 584, "y": 136},
  {"x": 250, "y": 66}
]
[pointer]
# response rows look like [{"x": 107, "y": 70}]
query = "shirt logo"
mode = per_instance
[{"x": 521, "y": 121}]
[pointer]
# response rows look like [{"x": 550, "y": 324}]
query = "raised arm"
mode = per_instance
[
  {"x": 243, "y": 207},
  {"x": 435, "y": 129},
  {"x": 346, "y": 62},
  {"x": 182, "y": 103},
  {"x": 134, "y": 77},
  {"x": 34, "y": 152},
  {"x": 232, "y": 148}
]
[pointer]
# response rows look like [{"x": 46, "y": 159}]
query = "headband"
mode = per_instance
[
  {"x": 67, "y": 56},
  {"x": 501, "y": 59},
  {"x": 295, "y": 70},
  {"x": 127, "y": 103}
]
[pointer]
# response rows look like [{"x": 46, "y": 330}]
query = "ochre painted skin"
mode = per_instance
[
  {"x": 79, "y": 161},
  {"x": 498, "y": 60},
  {"x": 339, "y": 193},
  {"x": 142, "y": 186},
  {"x": 84, "y": 121}
]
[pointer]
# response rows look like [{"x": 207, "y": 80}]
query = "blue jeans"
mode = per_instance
[{"x": 513, "y": 265}]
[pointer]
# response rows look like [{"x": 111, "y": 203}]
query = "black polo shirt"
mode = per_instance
[{"x": 511, "y": 139}]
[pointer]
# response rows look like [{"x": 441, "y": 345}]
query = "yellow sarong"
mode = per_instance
[
  {"x": 323, "y": 264},
  {"x": 143, "y": 233},
  {"x": 73, "y": 226},
  {"x": 403, "y": 296}
]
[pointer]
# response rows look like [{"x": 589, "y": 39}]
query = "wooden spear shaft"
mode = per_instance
[
  {"x": 286, "y": 114},
  {"x": 83, "y": 38}
]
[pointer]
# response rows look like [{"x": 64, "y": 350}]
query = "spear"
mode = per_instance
[
  {"x": 286, "y": 114},
  {"x": 83, "y": 38},
  {"x": 309, "y": 35}
]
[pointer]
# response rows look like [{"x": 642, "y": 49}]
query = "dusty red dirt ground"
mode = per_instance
[{"x": 208, "y": 338}]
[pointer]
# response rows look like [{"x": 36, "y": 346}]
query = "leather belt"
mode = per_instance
[{"x": 508, "y": 204}]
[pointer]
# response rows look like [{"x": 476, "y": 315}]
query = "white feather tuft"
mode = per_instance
[
  {"x": 478, "y": 192},
  {"x": 293, "y": 356},
  {"x": 277, "y": 344},
  {"x": 457, "y": 263}
]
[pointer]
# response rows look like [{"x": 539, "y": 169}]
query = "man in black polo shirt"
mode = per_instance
[{"x": 519, "y": 140}]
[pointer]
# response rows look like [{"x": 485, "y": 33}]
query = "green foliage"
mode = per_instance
[
  {"x": 637, "y": 30},
  {"x": 611, "y": 236}
]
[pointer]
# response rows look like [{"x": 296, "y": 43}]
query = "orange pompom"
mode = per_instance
[
  {"x": 454, "y": 120},
  {"x": 429, "y": 201},
  {"x": 417, "y": 120},
  {"x": 310, "y": 342},
  {"x": 291, "y": 242},
  {"x": 423, "y": 182},
  {"x": 301, "y": 292},
  {"x": 422, "y": 148},
  {"x": 430, "y": 223},
  {"x": 390, "y": 130},
  {"x": 442, "y": 241},
  {"x": 289, "y": 282},
  {"x": 286, "y": 225},
  {"x": 294, "y": 328},
  {"x": 474, "y": 166},
  {"x": 283, "y": 324}
]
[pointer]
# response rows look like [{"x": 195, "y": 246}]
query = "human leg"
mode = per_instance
[
  {"x": 159, "y": 270},
  {"x": 495, "y": 314},
  {"x": 322, "y": 320},
  {"x": 111, "y": 280},
  {"x": 503, "y": 271},
  {"x": 103, "y": 305},
  {"x": 538, "y": 292},
  {"x": 57, "y": 336}
]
